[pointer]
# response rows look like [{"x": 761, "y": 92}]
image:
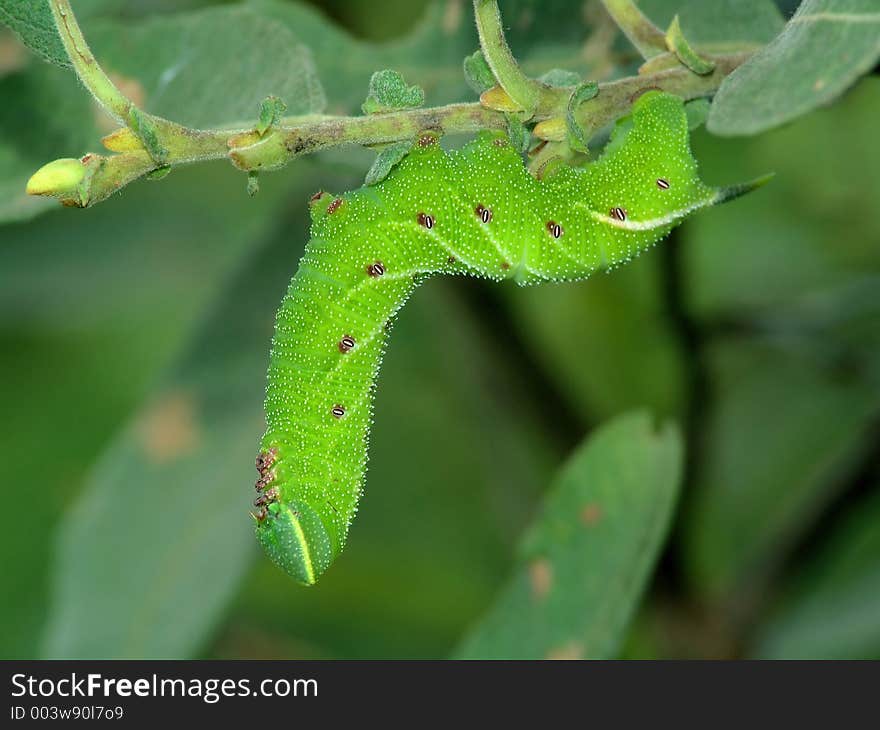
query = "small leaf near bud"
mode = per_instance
[
  {"x": 477, "y": 72},
  {"x": 559, "y": 77},
  {"x": 551, "y": 130},
  {"x": 122, "y": 140},
  {"x": 388, "y": 91},
  {"x": 497, "y": 98},
  {"x": 577, "y": 136},
  {"x": 271, "y": 110},
  {"x": 159, "y": 172},
  {"x": 678, "y": 44},
  {"x": 697, "y": 111},
  {"x": 385, "y": 162},
  {"x": 253, "y": 184},
  {"x": 520, "y": 139}
]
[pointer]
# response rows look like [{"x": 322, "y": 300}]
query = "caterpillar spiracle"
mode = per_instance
[{"x": 475, "y": 212}]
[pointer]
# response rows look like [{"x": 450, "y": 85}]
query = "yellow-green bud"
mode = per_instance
[{"x": 59, "y": 178}]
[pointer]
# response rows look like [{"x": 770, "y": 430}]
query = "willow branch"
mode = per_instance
[
  {"x": 148, "y": 145},
  {"x": 286, "y": 143}
]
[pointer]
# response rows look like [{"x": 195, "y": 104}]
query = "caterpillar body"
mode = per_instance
[{"x": 476, "y": 212}]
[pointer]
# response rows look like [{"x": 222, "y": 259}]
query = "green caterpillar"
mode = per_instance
[{"x": 475, "y": 212}]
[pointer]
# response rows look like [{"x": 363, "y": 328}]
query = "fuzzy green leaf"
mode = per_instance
[
  {"x": 271, "y": 110},
  {"x": 477, "y": 72},
  {"x": 681, "y": 47},
  {"x": 32, "y": 21},
  {"x": 388, "y": 91},
  {"x": 385, "y": 162},
  {"x": 720, "y": 25},
  {"x": 560, "y": 77},
  {"x": 585, "y": 562},
  {"x": 519, "y": 135},
  {"x": 824, "y": 48},
  {"x": 697, "y": 111},
  {"x": 150, "y": 580},
  {"x": 578, "y": 137}
]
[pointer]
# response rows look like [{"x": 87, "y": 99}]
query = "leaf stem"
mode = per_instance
[
  {"x": 648, "y": 39},
  {"x": 525, "y": 92},
  {"x": 85, "y": 64}
]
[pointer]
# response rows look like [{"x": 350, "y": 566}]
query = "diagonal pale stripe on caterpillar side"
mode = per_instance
[
  {"x": 720, "y": 196},
  {"x": 471, "y": 212}
]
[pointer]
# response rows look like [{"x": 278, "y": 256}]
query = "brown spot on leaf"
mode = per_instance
[
  {"x": 540, "y": 577},
  {"x": 12, "y": 53},
  {"x": 570, "y": 650},
  {"x": 168, "y": 429},
  {"x": 452, "y": 14},
  {"x": 591, "y": 514}
]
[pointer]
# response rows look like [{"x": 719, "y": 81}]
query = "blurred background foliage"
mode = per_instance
[{"x": 134, "y": 338}]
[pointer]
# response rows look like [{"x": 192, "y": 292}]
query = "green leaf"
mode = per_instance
[
  {"x": 520, "y": 137},
  {"x": 477, "y": 72},
  {"x": 697, "y": 111},
  {"x": 831, "y": 609},
  {"x": 72, "y": 271},
  {"x": 385, "y": 161},
  {"x": 824, "y": 48},
  {"x": 72, "y": 292},
  {"x": 431, "y": 54},
  {"x": 783, "y": 434},
  {"x": 271, "y": 110},
  {"x": 155, "y": 546},
  {"x": 681, "y": 47},
  {"x": 71, "y": 410},
  {"x": 388, "y": 91},
  {"x": 560, "y": 77},
  {"x": 209, "y": 68},
  {"x": 586, "y": 560},
  {"x": 32, "y": 21},
  {"x": 578, "y": 138},
  {"x": 719, "y": 26}
]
